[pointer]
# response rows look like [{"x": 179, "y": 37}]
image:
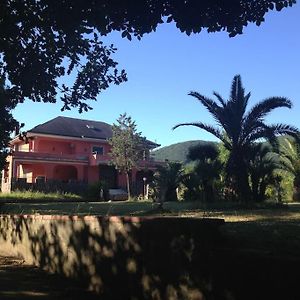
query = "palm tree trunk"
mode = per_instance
[
  {"x": 237, "y": 170},
  {"x": 243, "y": 188},
  {"x": 255, "y": 188},
  {"x": 262, "y": 191}
]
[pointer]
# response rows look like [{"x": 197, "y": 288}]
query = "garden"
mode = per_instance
[{"x": 221, "y": 224}]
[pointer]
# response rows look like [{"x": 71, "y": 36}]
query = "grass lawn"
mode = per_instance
[
  {"x": 274, "y": 231},
  {"x": 28, "y": 196}
]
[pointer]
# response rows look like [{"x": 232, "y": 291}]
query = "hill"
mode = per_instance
[{"x": 178, "y": 151}]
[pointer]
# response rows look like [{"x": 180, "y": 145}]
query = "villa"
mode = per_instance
[{"x": 69, "y": 150}]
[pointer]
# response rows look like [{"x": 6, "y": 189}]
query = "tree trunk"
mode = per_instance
[
  {"x": 243, "y": 186},
  {"x": 255, "y": 188},
  {"x": 262, "y": 191},
  {"x": 128, "y": 186},
  {"x": 237, "y": 169},
  {"x": 241, "y": 179}
]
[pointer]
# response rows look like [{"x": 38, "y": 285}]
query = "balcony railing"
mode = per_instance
[
  {"x": 51, "y": 156},
  {"x": 92, "y": 159},
  {"x": 96, "y": 159}
]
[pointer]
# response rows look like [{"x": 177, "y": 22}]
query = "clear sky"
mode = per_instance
[{"x": 164, "y": 66}]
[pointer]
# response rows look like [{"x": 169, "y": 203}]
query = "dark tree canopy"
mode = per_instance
[
  {"x": 7, "y": 122},
  {"x": 43, "y": 40}
]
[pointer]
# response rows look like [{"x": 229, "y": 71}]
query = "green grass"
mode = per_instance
[
  {"x": 29, "y": 196},
  {"x": 271, "y": 229}
]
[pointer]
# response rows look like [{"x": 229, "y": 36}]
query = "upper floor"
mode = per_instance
[{"x": 69, "y": 139}]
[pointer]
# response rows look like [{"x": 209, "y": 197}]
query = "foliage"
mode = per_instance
[
  {"x": 286, "y": 185},
  {"x": 290, "y": 152},
  {"x": 263, "y": 165},
  {"x": 190, "y": 187},
  {"x": 7, "y": 122},
  {"x": 29, "y": 196},
  {"x": 238, "y": 129},
  {"x": 127, "y": 146},
  {"x": 98, "y": 191},
  {"x": 204, "y": 152},
  {"x": 200, "y": 181},
  {"x": 166, "y": 180},
  {"x": 43, "y": 42},
  {"x": 50, "y": 39}
]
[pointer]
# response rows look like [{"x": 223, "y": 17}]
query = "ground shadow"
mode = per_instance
[{"x": 149, "y": 258}]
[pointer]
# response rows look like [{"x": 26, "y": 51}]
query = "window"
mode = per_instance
[{"x": 98, "y": 150}]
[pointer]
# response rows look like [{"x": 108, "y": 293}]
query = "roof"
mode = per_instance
[
  {"x": 72, "y": 127},
  {"x": 78, "y": 128}
]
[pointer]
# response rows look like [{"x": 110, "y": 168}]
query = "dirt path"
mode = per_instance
[{"x": 21, "y": 281}]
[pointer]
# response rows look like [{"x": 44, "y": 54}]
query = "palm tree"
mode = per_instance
[
  {"x": 290, "y": 152},
  {"x": 166, "y": 180},
  {"x": 238, "y": 128},
  {"x": 262, "y": 166},
  {"x": 207, "y": 169}
]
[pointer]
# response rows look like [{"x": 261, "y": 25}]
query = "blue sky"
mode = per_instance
[{"x": 164, "y": 66}]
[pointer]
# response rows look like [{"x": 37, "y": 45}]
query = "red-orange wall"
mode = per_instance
[{"x": 67, "y": 147}]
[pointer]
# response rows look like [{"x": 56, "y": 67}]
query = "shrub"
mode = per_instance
[{"x": 98, "y": 191}]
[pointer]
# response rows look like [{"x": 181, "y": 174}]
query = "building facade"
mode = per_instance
[{"x": 69, "y": 150}]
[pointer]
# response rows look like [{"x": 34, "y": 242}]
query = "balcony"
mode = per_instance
[
  {"x": 51, "y": 157},
  {"x": 96, "y": 159}
]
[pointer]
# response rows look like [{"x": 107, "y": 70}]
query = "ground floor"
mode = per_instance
[{"x": 21, "y": 174}]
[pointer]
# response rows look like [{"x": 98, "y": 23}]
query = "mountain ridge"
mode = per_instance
[{"x": 178, "y": 151}]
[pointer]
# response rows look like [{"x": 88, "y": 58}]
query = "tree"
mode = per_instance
[
  {"x": 263, "y": 163},
  {"x": 52, "y": 39},
  {"x": 127, "y": 146},
  {"x": 42, "y": 42},
  {"x": 7, "y": 122},
  {"x": 207, "y": 169},
  {"x": 166, "y": 180},
  {"x": 238, "y": 129},
  {"x": 290, "y": 152}
]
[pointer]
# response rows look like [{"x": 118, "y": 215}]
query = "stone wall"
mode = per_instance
[{"x": 120, "y": 258}]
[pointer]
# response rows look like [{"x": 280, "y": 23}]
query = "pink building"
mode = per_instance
[{"x": 69, "y": 150}]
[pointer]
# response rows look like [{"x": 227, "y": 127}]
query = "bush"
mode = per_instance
[{"x": 98, "y": 191}]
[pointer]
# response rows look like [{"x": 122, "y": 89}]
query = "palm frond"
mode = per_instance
[
  {"x": 210, "y": 105},
  {"x": 261, "y": 109},
  {"x": 237, "y": 95},
  {"x": 270, "y": 133},
  {"x": 287, "y": 149},
  {"x": 236, "y": 107},
  {"x": 249, "y": 129},
  {"x": 211, "y": 129},
  {"x": 236, "y": 87},
  {"x": 221, "y": 100},
  {"x": 287, "y": 165},
  {"x": 247, "y": 97},
  {"x": 262, "y": 132},
  {"x": 284, "y": 129}
]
